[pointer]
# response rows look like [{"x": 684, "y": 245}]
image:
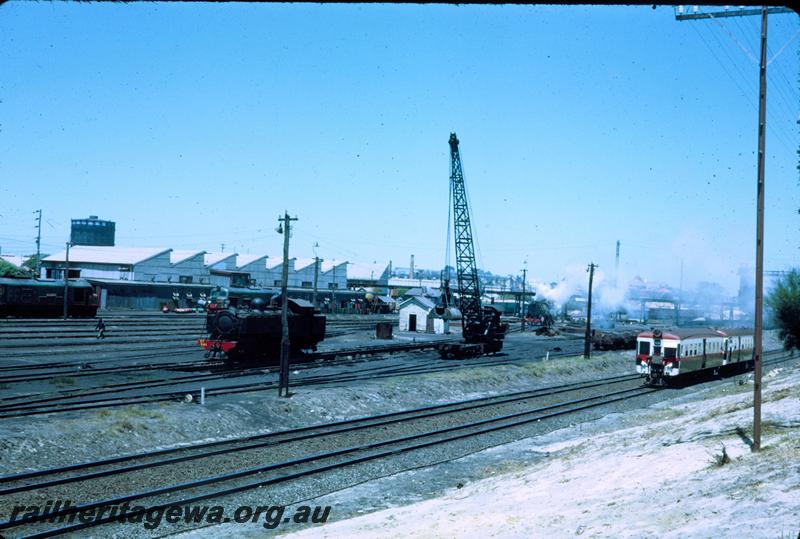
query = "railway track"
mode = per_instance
[
  {"x": 84, "y": 369},
  {"x": 92, "y": 399},
  {"x": 377, "y": 437},
  {"x": 31, "y": 343}
]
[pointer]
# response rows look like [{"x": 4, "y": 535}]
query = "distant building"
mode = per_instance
[
  {"x": 188, "y": 267},
  {"x": 93, "y": 231},
  {"x": 368, "y": 275},
  {"x": 115, "y": 263},
  {"x": 15, "y": 260}
]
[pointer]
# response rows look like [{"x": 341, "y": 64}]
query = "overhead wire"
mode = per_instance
[
  {"x": 774, "y": 125},
  {"x": 777, "y": 54}
]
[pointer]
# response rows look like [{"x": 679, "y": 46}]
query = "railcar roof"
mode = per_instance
[
  {"x": 683, "y": 333},
  {"x": 733, "y": 332},
  {"x": 73, "y": 283}
]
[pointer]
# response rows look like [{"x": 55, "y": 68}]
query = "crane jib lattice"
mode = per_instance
[{"x": 466, "y": 270}]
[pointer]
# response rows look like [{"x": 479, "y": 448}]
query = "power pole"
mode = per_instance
[
  {"x": 316, "y": 275},
  {"x": 762, "y": 126},
  {"x": 587, "y": 341},
  {"x": 285, "y": 229},
  {"x": 524, "y": 276},
  {"x": 333, "y": 289},
  {"x": 680, "y": 296},
  {"x": 38, "y": 243},
  {"x": 66, "y": 283}
]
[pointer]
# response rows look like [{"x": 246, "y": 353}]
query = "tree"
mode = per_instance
[
  {"x": 30, "y": 262},
  {"x": 10, "y": 270},
  {"x": 784, "y": 301}
]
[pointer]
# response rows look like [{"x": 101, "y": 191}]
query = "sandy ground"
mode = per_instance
[{"x": 654, "y": 473}]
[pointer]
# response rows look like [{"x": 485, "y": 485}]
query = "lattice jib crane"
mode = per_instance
[{"x": 482, "y": 330}]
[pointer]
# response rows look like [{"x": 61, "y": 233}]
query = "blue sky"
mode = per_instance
[{"x": 193, "y": 125}]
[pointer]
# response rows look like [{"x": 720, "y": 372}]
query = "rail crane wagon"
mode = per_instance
[
  {"x": 253, "y": 334},
  {"x": 664, "y": 355},
  {"x": 482, "y": 330}
]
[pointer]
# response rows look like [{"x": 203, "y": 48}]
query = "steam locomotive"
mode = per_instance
[{"x": 251, "y": 331}]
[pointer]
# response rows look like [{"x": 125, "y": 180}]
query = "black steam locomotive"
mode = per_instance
[{"x": 253, "y": 333}]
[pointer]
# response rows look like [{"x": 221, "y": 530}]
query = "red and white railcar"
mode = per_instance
[{"x": 664, "y": 354}]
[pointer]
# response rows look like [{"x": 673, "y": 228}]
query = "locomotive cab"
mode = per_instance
[
  {"x": 251, "y": 330},
  {"x": 657, "y": 356},
  {"x": 218, "y": 299}
]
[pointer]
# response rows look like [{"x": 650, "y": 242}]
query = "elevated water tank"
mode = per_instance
[{"x": 93, "y": 231}]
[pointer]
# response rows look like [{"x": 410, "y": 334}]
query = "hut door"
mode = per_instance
[{"x": 412, "y": 322}]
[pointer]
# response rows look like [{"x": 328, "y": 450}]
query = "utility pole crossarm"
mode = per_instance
[{"x": 731, "y": 13}]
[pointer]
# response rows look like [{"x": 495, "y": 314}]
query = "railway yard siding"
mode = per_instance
[
  {"x": 365, "y": 433},
  {"x": 660, "y": 477},
  {"x": 38, "y": 441}
]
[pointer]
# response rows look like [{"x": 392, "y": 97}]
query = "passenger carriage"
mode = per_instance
[{"x": 665, "y": 354}]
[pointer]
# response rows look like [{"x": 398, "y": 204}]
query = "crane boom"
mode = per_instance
[
  {"x": 481, "y": 327},
  {"x": 469, "y": 288}
]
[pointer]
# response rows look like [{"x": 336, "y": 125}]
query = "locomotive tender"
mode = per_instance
[
  {"x": 664, "y": 355},
  {"x": 251, "y": 330}
]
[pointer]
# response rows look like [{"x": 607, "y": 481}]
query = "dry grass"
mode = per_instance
[
  {"x": 129, "y": 419},
  {"x": 720, "y": 459}
]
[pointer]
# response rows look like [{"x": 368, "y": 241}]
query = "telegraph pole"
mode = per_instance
[
  {"x": 317, "y": 260},
  {"x": 38, "y": 243},
  {"x": 284, "y": 227},
  {"x": 333, "y": 290},
  {"x": 316, "y": 275},
  {"x": 66, "y": 283},
  {"x": 587, "y": 342},
  {"x": 524, "y": 276},
  {"x": 680, "y": 299},
  {"x": 762, "y": 126}
]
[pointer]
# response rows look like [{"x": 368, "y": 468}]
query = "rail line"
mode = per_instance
[
  {"x": 306, "y": 465},
  {"x": 88, "y": 369},
  {"x": 314, "y": 463},
  {"x": 159, "y": 351},
  {"x": 9, "y": 408},
  {"x": 366, "y": 374},
  {"x": 323, "y": 428}
]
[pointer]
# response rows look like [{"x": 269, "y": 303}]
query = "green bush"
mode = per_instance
[
  {"x": 10, "y": 270},
  {"x": 784, "y": 302}
]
